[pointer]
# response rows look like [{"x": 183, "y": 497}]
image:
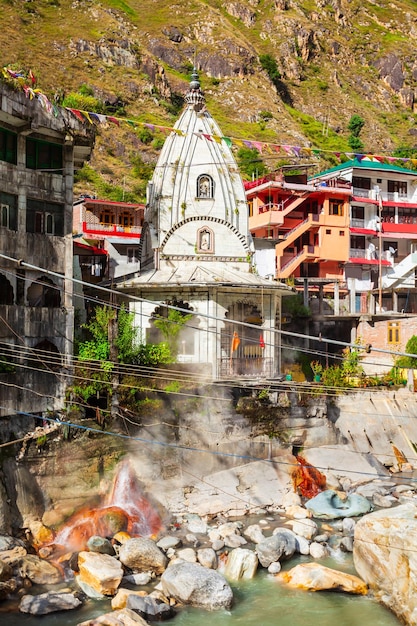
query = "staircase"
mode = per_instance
[
  {"x": 307, "y": 252},
  {"x": 402, "y": 273}
]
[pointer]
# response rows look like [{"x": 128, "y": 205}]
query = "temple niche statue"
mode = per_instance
[{"x": 205, "y": 240}]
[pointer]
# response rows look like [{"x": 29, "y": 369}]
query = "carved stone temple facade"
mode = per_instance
[{"x": 197, "y": 255}]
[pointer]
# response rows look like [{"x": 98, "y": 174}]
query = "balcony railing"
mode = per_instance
[
  {"x": 245, "y": 367},
  {"x": 113, "y": 230}
]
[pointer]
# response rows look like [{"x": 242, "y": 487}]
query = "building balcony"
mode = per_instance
[{"x": 111, "y": 230}]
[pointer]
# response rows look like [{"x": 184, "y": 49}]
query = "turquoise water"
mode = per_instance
[{"x": 263, "y": 601}]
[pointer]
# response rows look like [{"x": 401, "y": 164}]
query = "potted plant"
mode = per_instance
[{"x": 317, "y": 369}]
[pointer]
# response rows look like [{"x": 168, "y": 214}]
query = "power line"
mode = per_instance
[{"x": 156, "y": 303}]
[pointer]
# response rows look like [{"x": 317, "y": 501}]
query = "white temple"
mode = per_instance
[{"x": 196, "y": 255}]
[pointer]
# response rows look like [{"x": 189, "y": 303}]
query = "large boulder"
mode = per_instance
[
  {"x": 241, "y": 563},
  {"x": 142, "y": 555},
  {"x": 329, "y": 505},
  {"x": 281, "y": 545},
  {"x": 48, "y": 603},
  {"x": 385, "y": 557},
  {"x": 102, "y": 572},
  {"x": 315, "y": 577},
  {"x": 123, "y": 617},
  {"x": 38, "y": 570},
  {"x": 191, "y": 583}
]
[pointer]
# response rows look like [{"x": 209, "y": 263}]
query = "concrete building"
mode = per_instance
[
  {"x": 39, "y": 151},
  {"x": 197, "y": 255},
  {"x": 111, "y": 226}
]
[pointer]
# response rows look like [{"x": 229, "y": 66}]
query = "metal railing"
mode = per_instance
[{"x": 245, "y": 367}]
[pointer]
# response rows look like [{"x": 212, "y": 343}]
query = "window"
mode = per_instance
[
  {"x": 8, "y": 146},
  {"x": 328, "y": 231},
  {"x": 341, "y": 233},
  {"x": 205, "y": 186},
  {"x": 133, "y": 255},
  {"x": 393, "y": 332},
  {"x": 399, "y": 186},
  {"x": 8, "y": 211},
  {"x": 358, "y": 212},
  {"x": 250, "y": 207},
  {"x": 361, "y": 183},
  {"x": 44, "y": 217},
  {"x": 335, "y": 207},
  {"x": 125, "y": 219},
  {"x": 41, "y": 155},
  {"x": 107, "y": 217}
]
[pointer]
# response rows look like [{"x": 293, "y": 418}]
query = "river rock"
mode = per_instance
[
  {"x": 169, "y": 542},
  {"x": 384, "y": 556},
  {"x": 120, "y": 599},
  {"x": 190, "y": 583},
  {"x": 123, "y": 617},
  {"x": 207, "y": 558},
  {"x": 346, "y": 544},
  {"x": 196, "y": 525},
  {"x": 318, "y": 550},
  {"x": 329, "y": 505},
  {"x": 141, "y": 578},
  {"x": 302, "y": 545},
  {"x": 217, "y": 545},
  {"x": 142, "y": 555},
  {"x": 149, "y": 608},
  {"x": 241, "y": 563},
  {"x": 5, "y": 571},
  {"x": 234, "y": 541},
  {"x": 38, "y": 571},
  {"x": 102, "y": 572},
  {"x": 100, "y": 545},
  {"x": 187, "y": 554},
  {"x": 383, "y": 502},
  {"x": 274, "y": 568},
  {"x": 348, "y": 526},
  {"x": 316, "y": 577},
  {"x": 48, "y": 603},
  {"x": 279, "y": 546},
  {"x": 254, "y": 533},
  {"x": 306, "y": 528},
  {"x": 7, "y": 587}
]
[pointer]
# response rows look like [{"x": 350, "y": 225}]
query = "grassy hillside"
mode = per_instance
[{"x": 133, "y": 58}]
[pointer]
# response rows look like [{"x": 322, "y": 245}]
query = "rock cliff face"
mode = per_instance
[
  {"x": 208, "y": 457},
  {"x": 385, "y": 557},
  {"x": 332, "y": 59}
]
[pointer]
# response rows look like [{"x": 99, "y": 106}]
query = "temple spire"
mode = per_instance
[{"x": 195, "y": 97}]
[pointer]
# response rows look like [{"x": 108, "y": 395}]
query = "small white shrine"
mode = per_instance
[{"x": 196, "y": 255}]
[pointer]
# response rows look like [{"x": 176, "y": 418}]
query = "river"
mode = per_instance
[{"x": 262, "y": 601}]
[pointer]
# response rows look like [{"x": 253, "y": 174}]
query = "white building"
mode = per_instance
[{"x": 196, "y": 254}]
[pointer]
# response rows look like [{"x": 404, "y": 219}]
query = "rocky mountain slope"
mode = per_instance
[{"x": 283, "y": 71}]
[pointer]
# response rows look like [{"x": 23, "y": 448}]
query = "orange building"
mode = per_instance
[{"x": 307, "y": 224}]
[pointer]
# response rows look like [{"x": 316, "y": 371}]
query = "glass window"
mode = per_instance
[
  {"x": 43, "y": 155},
  {"x": 361, "y": 182},
  {"x": 107, "y": 217},
  {"x": 44, "y": 217},
  {"x": 399, "y": 186},
  {"x": 8, "y": 146},
  {"x": 335, "y": 207},
  {"x": 393, "y": 332}
]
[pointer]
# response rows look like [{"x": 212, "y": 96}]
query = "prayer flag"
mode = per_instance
[
  {"x": 235, "y": 342},
  {"x": 261, "y": 341}
]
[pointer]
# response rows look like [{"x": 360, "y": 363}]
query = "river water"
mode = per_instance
[{"x": 262, "y": 601}]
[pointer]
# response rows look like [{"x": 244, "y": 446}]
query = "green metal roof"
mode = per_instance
[{"x": 368, "y": 165}]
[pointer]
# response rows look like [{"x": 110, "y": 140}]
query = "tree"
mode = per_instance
[
  {"x": 356, "y": 123},
  {"x": 170, "y": 326},
  {"x": 410, "y": 348},
  {"x": 250, "y": 163}
]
